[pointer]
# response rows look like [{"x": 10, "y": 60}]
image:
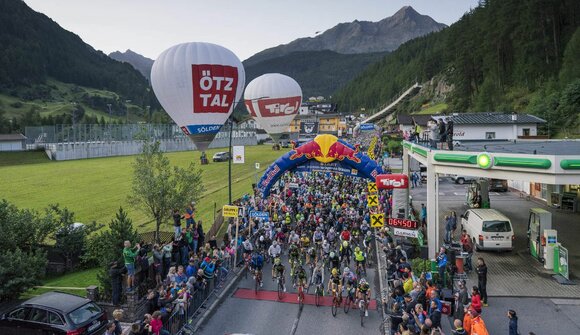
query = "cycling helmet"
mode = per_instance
[
  {"x": 293, "y": 246},
  {"x": 345, "y": 244},
  {"x": 332, "y": 254},
  {"x": 334, "y": 272},
  {"x": 274, "y": 243},
  {"x": 277, "y": 261},
  {"x": 369, "y": 233},
  {"x": 346, "y": 270},
  {"x": 363, "y": 281},
  {"x": 262, "y": 238},
  {"x": 357, "y": 249}
]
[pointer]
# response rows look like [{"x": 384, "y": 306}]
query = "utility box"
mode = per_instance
[
  {"x": 539, "y": 220},
  {"x": 551, "y": 238}
]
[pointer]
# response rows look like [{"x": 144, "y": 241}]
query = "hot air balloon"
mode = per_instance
[
  {"x": 198, "y": 84},
  {"x": 273, "y": 100}
]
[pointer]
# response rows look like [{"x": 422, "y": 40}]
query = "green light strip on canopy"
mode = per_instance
[
  {"x": 420, "y": 151},
  {"x": 407, "y": 145},
  {"x": 530, "y": 163},
  {"x": 570, "y": 164},
  {"x": 453, "y": 158}
]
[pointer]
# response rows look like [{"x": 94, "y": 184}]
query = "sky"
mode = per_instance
[{"x": 246, "y": 27}]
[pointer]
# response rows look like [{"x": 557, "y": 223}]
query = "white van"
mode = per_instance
[{"x": 489, "y": 229}]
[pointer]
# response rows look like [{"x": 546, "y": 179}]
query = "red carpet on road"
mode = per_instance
[{"x": 291, "y": 298}]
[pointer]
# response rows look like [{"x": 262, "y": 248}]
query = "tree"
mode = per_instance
[
  {"x": 570, "y": 65},
  {"x": 158, "y": 187},
  {"x": 20, "y": 271}
]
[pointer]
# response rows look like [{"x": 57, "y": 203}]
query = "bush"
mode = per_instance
[{"x": 20, "y": 271}]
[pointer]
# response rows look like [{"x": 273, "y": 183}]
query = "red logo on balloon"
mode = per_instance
[
  {"x": 214, "y": 87},
  {"x": 390, "y": 181},
  {"x": 275, "y": 107}
]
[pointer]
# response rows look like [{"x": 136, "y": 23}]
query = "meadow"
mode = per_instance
[{"x": 94, "y": 189}]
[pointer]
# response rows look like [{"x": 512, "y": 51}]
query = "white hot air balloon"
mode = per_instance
[
  {"x": 198, "y": 85},
  {"x": 273, "y": 100}
]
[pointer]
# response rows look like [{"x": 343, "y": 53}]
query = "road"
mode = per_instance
[{"x": 251, "y": 316}]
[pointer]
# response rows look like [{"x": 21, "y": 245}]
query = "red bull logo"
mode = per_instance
[{"x": 325, "y": 149}]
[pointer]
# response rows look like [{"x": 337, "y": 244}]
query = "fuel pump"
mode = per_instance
[{"x": 539, "y": 221}]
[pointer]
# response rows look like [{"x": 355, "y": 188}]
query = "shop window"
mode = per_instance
[{"x": 490, "y": 135}]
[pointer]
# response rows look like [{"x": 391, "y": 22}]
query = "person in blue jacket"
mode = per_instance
[{"x": 441, "y": 264}]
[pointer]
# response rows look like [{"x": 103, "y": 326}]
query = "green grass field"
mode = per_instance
[
  {"x": 434, "y": 109},
  {"x": 78, "y": 279},
  {"x": 95, "y": 188}
]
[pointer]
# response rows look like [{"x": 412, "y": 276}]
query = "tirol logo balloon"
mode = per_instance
[
  {"x": 273, "y": 100},
  {"x": 198, "y": 84}
]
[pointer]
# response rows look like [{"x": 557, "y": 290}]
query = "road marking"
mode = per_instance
[
  {"x": 290, "y": 298},
  {"x": 457, "y": 193}
]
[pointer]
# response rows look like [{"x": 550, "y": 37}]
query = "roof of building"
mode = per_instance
[
  {"x": 12, "y": 137},
  {"x": 421, "y": 119},
  {"x": 545, "y": 147},
  {"x": 494, "y": 118}
]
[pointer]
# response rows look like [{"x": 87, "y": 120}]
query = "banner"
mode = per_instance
[
  {"x": 230, "y": 211},
  {"x": 563, "y": 262},
  {"x": 264, "y": 216},
  {"x": 239, "y": 154},
  {"x": 405, "y": 233},
  {"x": 367, "y": 127},
  {"x": 338, "y": 167},
  {"x": 308, "y": 127}
]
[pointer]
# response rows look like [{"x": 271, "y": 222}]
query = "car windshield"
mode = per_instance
[
  {"x": 84, "y": 313},
  {"x": 496, "y": 226}
]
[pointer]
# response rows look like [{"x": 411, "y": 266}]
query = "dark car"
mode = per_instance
[
  {"x": 55, "y": 313},
  {"x": 221, "y": 156},
  {"x": 498, "y": 185}
]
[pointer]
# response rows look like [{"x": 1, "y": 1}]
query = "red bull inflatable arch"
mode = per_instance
[{"x": 325, "y": 153}]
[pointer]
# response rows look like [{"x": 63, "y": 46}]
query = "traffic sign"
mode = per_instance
[
  {"x": 230, "y": 211},
  {"x": 373, "y": 200},
  {"x": 372, "y": 187},
  {"x": 377, "y": 220}
]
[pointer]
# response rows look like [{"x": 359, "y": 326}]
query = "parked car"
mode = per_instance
[
  {"x": 488, "y": 228},
  {"x": 461, "y": 179},
  {"x": 55, "y": 313},
  {"x": 498, "y": 185},
  {"x": 221, "y": 156}
]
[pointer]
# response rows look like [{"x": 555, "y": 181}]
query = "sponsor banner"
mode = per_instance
[
  {"x": 390, "y": 181},
  {"x": 264, "y": 216},
  {"x": 377, "y": 220},
  {"x": 230, "y": 211},
  {"x": 308, "y": 127},
  {"x": 367, "y": 126},
  {"x": 405, "y": 232},
  {"x": 563, "y": 262},
  {"x": 293, "y": 185},
  {"x": 214, "y": 87},
  {"x": 201, "y": 129},
  {"x": 337, "y": 166},
  {"x": 238, "y": 154}
]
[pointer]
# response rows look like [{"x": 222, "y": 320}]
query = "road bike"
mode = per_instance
[
  {"x": 349, "y": 299},
  {"x": 246, "y": 264},
  {"x": 360, "y": 270},
  {"x": 363, "y": 307},
  {"x": 318, "y": 294},
  {"x": 258, "y": 276},
  {"x": 336, "y": 301},
  {"x": 280, "y": 284},
  {"x": 301, "y": 295}
]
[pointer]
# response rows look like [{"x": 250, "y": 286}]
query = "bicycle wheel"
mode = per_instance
[
  {"x": 334, "y": 308},
  {"x": 301, "y": 297},
  {"x": 280, "y": 290},
  {"x": 317, "y": 297},
  {"x": 347, "y": 303},
  {"x": 362, "y": 307},
  {"x": 257, "y": 284}
]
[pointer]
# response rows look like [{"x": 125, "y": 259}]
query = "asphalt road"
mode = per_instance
[{"x": 250, "y": 316}]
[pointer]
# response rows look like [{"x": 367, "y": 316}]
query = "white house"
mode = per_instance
[
  {"x": 494, "y": 126},
  {"x": 12, "y": 142}
]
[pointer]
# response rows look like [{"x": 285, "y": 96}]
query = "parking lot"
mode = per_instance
[{"x": 515, "y": 273}]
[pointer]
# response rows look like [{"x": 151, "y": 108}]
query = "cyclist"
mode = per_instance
[
  {"x": 363, "y": 292},
  {"x": 345, "y": 251},
  {"x": 257, "y": 264},
  {"x": 345, "y": 235},
  {"x": 274, "y": 251},
  {"x": 325, "y": 248},
  {"x": 293, "y": 257},
  {"x": 262, "y": 243},
  {"x": 334, "y": 260},
  {"x": 334, "y": 282},
  {"x": 304, "y": 242},
  {"x": 293, "y": 238},
  {"x": 364, "y": 227},
  {"x": 359, "y": 258},
  {"x": 348, "y": 279},
  {"x": 311, "y": 256},
  {"x": 301, "y": 278},
  {"x": 367, "y": 240},
  {"x": 331, "y": 235},
  {"x": 248, "y": 248},
  {"x": 317, "y": 237},
  {"x": 278, "y": 270},
  {"x": 317, "y": 275}
]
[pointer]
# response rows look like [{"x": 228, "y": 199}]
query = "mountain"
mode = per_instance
[
  {"x": 360, "y": 36},
  {"x": 504, "y": 55},
  {"x": 37, "y": 54},
  {"x": 140, "y": 63}
]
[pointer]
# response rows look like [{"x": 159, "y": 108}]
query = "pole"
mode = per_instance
[{"x": 230, "y": 163}]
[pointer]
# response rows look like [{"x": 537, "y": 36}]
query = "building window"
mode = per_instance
[
  {"x": 490, "y": 135},
  {"x": 526, "y": 131}
]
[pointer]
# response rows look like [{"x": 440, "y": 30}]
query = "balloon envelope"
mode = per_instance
[
  {"x": 198, "y": 85},
  {"x": 273, "y": 100}
]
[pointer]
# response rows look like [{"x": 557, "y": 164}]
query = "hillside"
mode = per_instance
[
  {"x": 38, "y": 56},
  {"x": 505, "y": 55},
  {"x": 139, "y": 62},
  {"x": 359, "y": 37}
]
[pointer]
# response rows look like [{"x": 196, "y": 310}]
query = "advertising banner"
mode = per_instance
[
  {"x": 405, "y": 232},
  {"x": 239, "y": 154},
  {"x": 308, "y": 128},
  {"x": 230, "y": 211},
  {"x": 563, "y": 262},
  {"x": 264, "y": 216},
  {"x": 367, "y": 127},
  {"x": 338, "y": 167}
]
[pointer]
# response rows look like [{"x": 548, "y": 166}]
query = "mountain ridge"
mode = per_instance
[{"x": 138, "y": 61}]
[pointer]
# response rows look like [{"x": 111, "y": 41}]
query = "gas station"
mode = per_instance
[{"x": 546, "y": 162}]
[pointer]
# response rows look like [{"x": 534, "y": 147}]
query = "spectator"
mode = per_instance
[
  {"x": 152, "y": 300},
  {"x": 513, "y": 325},
  {"x": 453, "y": 216},
  {"x": 475, "y": 300},
  {"x": 110, "y": 328},
  {"x": 441, "y": 265},
  {"x": 442, "y": 133},
  {"x": 191, "y": 269},
  {"x": 129, "y": 255},
  {"x": 477, "y": 325},
  {"x": 190, "y": 215},
  {"x": 423, "y": 215},
  {"x": 213, "y": 242},
  {"x": 458, "y": 328},
  {"x": 396, "y": 317},
  {"x": 116, "y": 272},
  {"x": 435, "y": 315},
  {"x": 467, "y": 320},
  {"x": 136, "y": 329},
  {"x": 117, "y": 316},
  {"x": 183, "y": 250},
  {"x": 200, "y": 233},
  {"x": 449, "y": 133},
  {"x": 195, "y": 236},
  {"x": 157, "y": 263},
  {"x": 420, "y": 316},
  {"x": 167, "y": 252},
  {"x": 448, "y": 228},
  {"x": 180, "y": 276},
  {"x": 433, "y": 134},
  {"x": 482, "y": 280},
  {"x": 177, "y": 222},
  {"x": 461, "y": 301},
  {"x": 156, "y": 326}
]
